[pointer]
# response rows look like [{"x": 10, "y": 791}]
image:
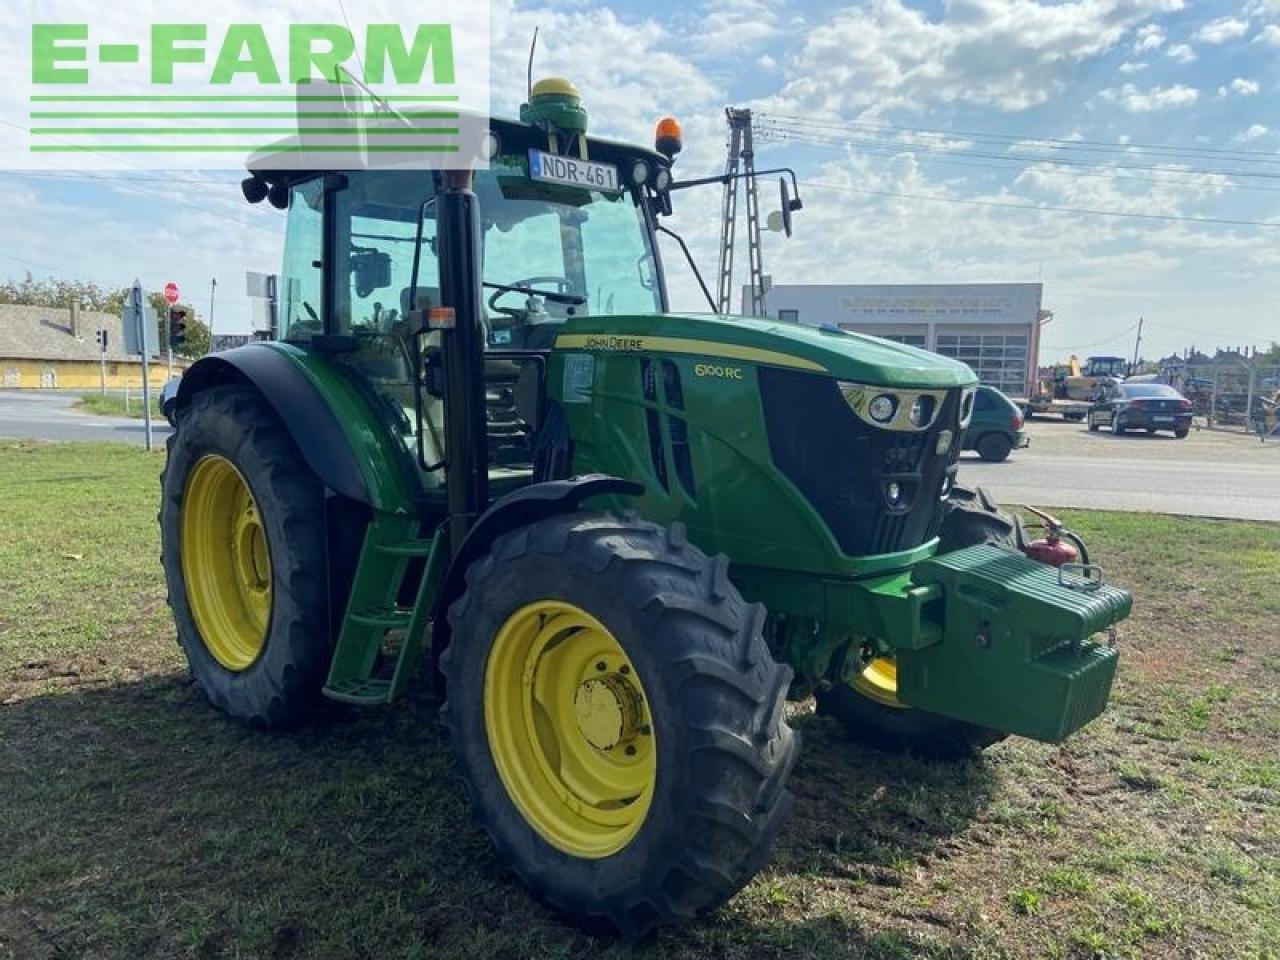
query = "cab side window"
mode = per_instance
[{"x": 301, "y": 280}]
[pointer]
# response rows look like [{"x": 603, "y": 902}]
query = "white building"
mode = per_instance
[{"x": 993, "y": 327}]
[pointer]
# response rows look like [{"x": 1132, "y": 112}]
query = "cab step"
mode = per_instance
[
  {"x": 367, "y": 669},
  {"x": 361, "y": 693},
  {"x": 387, "y": 618}
]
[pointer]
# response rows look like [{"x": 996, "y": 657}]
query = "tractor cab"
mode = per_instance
[{"x": 565, "y": 229}]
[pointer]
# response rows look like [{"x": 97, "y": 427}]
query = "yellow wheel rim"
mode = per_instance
[
  {"x": 878, "y": 681},
  {"x": 569, "y": 728},
  {"x": 226, "y": 565}
]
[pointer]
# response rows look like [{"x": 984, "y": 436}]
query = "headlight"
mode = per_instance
[
  {"x": 882, "y": 408},
  {"x": 943, "y": 446},
  {"x": 662, "y": 179},
  {"x": 922, "y": 409},
  {"x": 908, "y": 410},
  {"x": 639, "y": 172}
]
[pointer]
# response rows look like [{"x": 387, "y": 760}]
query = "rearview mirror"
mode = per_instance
[{"x": 371, "y": 270}]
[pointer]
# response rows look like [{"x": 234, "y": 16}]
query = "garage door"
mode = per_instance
[{"x": 999, "y": 360}]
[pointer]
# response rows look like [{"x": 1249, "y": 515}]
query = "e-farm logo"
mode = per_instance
[
  {"x": 300, "y": 95},
  {"x": 317, "y": 51}
]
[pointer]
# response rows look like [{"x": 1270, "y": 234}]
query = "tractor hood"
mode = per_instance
[{"x": 838, "y": 353}]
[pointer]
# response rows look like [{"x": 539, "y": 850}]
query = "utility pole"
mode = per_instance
[
  {"x": 741, "y": 158},
  {"x": 1136, "y": 347}
]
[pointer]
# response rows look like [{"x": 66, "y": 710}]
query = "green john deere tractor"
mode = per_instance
[{"x": 615, "y": 539}]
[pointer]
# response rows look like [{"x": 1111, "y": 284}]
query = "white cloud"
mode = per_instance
[
  {"x": 1150, "y": 37},
  {"x": 1269, "y": 34},
  {"x": 1008, "y": 54},
  {"x": 1181, "y": 52},
  {"x": 766, "y": 62},
  {"x": 1150, "y": 101},
  {"x": 1246, "y": 88},
  {"x": 724, "y": 26},
  {"x": 1130, "y": 67},
  {"x": 1254, "y": 131},
  {"x": 1222, "y": 30}
]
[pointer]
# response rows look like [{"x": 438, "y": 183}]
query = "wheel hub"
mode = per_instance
[{"x": 608, "y": 711}]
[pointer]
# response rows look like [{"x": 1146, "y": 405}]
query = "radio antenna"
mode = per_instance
[{"x": 529, "y": 80}]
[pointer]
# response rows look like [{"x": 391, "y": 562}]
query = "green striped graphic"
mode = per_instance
[
  {"x": 235, "y": 98},
  {"x": 226, "y": 148},
  {"x": 200, "y": 131},
  {"x": 224, "y": 115}
]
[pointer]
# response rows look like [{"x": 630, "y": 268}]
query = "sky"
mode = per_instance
[{"x": 1143, "y": 134}]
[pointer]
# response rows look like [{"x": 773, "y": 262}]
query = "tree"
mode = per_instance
[{"x": 58, "y": 293}]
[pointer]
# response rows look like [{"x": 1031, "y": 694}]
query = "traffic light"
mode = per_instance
[
  {"x": 177, "y": 327},
  {"x": 101, "y": 337}
]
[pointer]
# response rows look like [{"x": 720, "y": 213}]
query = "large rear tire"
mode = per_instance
[
  {"x": 242, "y": 543},
  {"x": 868, "y": 707},
  {"x": 617, "y": 719}
]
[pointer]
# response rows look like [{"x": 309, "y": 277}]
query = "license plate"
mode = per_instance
[
  {"x": 573, "y": 172},
  {"x": 1163, "y": 419}
]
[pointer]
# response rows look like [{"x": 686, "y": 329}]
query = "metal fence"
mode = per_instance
[{"x": 1239, "y": 397}]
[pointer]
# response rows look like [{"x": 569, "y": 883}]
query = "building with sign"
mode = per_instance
[
  {"x": 993, "y": 327},
  {"x": 59, "y": 348}
]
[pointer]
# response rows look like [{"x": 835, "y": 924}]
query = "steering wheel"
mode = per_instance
[{"x": 561, "y": 284}]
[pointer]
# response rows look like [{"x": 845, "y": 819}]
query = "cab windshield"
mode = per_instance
[{"x": 549, "y": 252}]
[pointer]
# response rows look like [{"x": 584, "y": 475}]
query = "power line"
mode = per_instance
[
  {"x": 1099, "y": 172},
  {"x": 1245, "y": 156},
  {"x": 162, "y": 196},
  {"x": 830, "y": 139},
  {"x": 1096, "y": 343},
  {"x": 1040, "y": 207}
]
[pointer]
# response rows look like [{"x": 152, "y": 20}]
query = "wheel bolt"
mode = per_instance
[
  {"x": 631, "y": 751},
  {"x": 624, "y": 669},
  {"x": 600, "y": 665}
]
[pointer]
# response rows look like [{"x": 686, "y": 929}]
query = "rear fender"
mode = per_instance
[{"x": 339, "y": 434}]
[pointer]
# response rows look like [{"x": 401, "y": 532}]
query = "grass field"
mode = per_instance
[
  {"x": 112, "y": 404},
  {"x": 137, "y": 822}
]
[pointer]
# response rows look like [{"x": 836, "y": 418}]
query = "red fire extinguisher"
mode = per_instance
[{"x": 1058, "y": 545}]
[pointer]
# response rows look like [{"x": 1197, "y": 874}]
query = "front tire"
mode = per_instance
[
  {"x": 242, "y": 544},
  {"x": 617, "y": 719},
  {"x": 1116, "y": 428},
  {"x": 1093, "y": 425},
  {"x": 994, "y": 447},
  {"x": 868, "y": 706}
]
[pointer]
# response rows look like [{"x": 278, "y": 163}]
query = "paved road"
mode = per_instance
[
  {"x": 1209, "y": 474},
  {"x": 49, "y": 416}
]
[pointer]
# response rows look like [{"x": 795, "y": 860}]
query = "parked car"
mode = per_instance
[
  {"x": 996, "y": 428},
  {"x": 1141, "y": 406}
]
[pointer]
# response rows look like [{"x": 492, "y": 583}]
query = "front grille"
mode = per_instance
[{"x": 843, "y": 465}]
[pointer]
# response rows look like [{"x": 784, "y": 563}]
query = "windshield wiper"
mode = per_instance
[{"x": 570, "y": 298}]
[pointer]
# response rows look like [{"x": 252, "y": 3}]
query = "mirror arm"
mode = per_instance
[
  {"x": 726, "y": 177},
  {"x": 693, "y": 266}
]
